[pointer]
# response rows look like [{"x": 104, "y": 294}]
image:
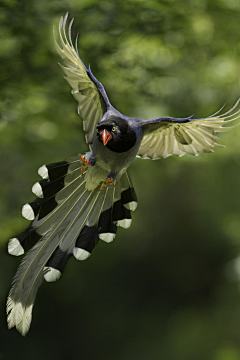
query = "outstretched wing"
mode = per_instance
[
  {"x": 168, "y": 136},
  {"x": 86, "y": 89}
]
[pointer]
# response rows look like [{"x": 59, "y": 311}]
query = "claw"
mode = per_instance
[
  {"x": 84, "y": 160},
  {"x": 85, "y": 163},
  {"x": 107, "y": 182}
]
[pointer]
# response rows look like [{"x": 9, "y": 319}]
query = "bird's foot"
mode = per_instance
[
  {"x": 107, "y": 182},
  {"x": 85, "y": 163}
]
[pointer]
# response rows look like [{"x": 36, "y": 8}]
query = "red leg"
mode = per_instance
[
  {"x": 85, "y": 163},
  {"x": 107, "y": 182}
]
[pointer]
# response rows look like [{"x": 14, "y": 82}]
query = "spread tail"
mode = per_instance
[{"x": 67, "y": 219}]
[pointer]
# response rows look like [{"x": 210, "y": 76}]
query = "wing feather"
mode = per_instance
[
  {"x": 171, "y": 136},
  {"x": 86, "y": 89}
]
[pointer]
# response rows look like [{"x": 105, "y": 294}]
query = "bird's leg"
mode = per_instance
[
  {"x": 86, "y": 162},
  {"x": 109, "y": 181}
]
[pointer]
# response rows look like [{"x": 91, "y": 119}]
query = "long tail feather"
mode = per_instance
[{"x": 68, "y": 220}]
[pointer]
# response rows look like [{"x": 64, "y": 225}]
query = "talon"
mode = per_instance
[
  {"x": 107, "y": 182},
  {"x": 85, "y": 163},
  {"x": 84, "y": 160}
]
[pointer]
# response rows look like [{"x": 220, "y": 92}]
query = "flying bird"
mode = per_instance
[{"x": 86, "y": 197}]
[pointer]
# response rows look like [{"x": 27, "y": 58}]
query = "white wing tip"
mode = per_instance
[
  {"x": 43, "y": 172},
  {"x": 125, "y": 223},
  {"x": 27, "y": 212},
  {"x": 14, "y": 247},
  {"x": 107, "y": 237},
  {"x": 80, "y": 254},
  {"x": 37, "y": 190},
  {"x": 131, "y": 205},
  {"x": 51, "y": 274}
]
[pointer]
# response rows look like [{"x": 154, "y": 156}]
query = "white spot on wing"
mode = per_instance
[
  {"x": 27, "y": 212},
  {"x": 80, "y": 254},
  {"x": 125, "y": 223},
  {"x": 51, "y": 274},
  {"x": 14, "y": 247},
  {"x": 43, "y": 172},
  {"x": 37, "y": 190},
  {"x": 107, "y": 237},
  {"x": 131, "y": 205}
]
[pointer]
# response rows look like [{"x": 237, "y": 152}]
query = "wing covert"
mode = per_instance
[
  {"x": 86, "y": 89},
  {"x": 168, "y": 136}
]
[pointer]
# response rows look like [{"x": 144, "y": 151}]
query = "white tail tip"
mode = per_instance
[
  {"x": 131, "y": 205},
  {"x": 125, "y": 223},
  {"x": 14, "y": 247},
  {"x": 43, "y": 172},
  {"x": 27, "y": 212},
  {"x": 51, "y": 274},
  {"x": 37, "y": 190},
  {"x": 107, "y": 237},
  {"x": 80, "y": 254}
]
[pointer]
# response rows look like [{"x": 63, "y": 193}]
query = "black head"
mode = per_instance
[{"x": 116, "y": 134}]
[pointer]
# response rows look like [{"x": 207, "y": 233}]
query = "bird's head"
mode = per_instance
[{"x": 116, "y": 134}]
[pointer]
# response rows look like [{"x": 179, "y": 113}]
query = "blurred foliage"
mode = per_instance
[{"x": 168, "y": 288}]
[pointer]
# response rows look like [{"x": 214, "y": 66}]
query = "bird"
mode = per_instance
[{"x": 84, "y": 199}]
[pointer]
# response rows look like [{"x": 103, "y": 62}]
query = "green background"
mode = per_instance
[{"x": 167, "y": 288}]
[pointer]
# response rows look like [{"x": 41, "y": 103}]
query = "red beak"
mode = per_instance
[{"x": 106, "y": 136}]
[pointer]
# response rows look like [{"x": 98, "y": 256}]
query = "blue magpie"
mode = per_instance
[{"x": 85, "y": 198}]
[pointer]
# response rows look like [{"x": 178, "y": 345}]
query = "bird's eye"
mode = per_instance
[{"x": 114, "y": 128}]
